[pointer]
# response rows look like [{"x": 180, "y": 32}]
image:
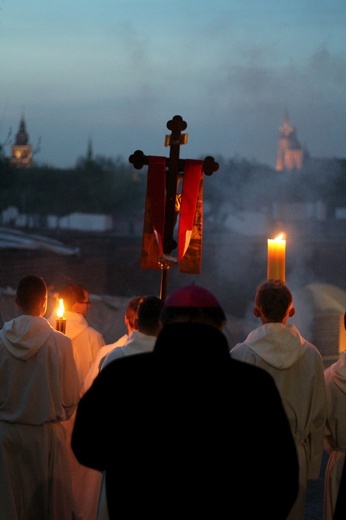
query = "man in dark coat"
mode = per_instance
[{"x": 185, "y": 430}]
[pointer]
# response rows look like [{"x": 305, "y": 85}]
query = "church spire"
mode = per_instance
[
  {"x": 21, "y": 149},
  {"x": 290, "y": 153}
]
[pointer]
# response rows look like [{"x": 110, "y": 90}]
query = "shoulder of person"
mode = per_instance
[
  {"x": 62, "y": 339},
  {"x": 116, "y": 353},
  {"x": 94, "y": 332}
]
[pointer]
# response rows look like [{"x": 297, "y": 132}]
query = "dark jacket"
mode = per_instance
[{"x": 187, "y": 431}]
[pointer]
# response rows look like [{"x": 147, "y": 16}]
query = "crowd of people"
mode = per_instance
[{"x": 169, "y": 419}]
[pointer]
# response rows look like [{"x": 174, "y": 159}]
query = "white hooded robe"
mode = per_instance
[
  {"x": 86, "y": 482},
  {"x": 297, "y": 368},
  {"x": 39, "y": 390},
  {"x": 335, "y": 432}
]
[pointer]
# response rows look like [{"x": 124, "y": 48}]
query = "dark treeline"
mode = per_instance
[
  {"x": 104, "y": 185},
  {"x": 94, "y": 186}
]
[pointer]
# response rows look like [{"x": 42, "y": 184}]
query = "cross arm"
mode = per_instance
[{"x": 138, "y": 159}]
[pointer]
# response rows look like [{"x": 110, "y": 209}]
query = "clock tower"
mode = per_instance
[{"x": 21, "y": 150}]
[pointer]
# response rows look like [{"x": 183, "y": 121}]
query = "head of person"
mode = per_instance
[
  {"x": 130, "y": 317},
  {"x": 194, "y": 304},
  {"x": 273, "y": 302},
  {"x": 32, "y": 295},
  {"x": 76, "y": 298},
  {"x": 148, "y": 315}
]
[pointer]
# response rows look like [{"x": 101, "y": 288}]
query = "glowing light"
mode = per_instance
[
  {"x": 276, "y": 264},
  {"x": 61, "y": 309},
  {"x": 61, "y": 321}
]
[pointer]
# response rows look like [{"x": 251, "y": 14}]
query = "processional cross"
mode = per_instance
[{"x": 164, "y": 204}]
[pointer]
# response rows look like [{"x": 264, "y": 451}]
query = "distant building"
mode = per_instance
[
  {"x": 290, "y": 153},
  {"x": 21, "y": 150}
]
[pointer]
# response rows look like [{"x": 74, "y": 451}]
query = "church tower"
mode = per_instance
[
  {"x": 21, "y": 150},
  {"x": 290, "y": 153}
]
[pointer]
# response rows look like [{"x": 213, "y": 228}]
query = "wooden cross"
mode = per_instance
[{"x": 174, "y": 169}]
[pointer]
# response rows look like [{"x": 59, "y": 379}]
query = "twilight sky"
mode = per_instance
[{"x": 115, "y": 71}]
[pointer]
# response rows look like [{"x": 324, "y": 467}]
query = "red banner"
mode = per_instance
[{"x": 190, "y": 226}]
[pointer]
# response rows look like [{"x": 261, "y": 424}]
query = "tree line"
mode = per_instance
[{"x": 106, "y": 185}]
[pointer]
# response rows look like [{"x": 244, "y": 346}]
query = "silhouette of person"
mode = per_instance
[
  {"x": 198, "y": 431},
  {"x": 146, "y": 327}
]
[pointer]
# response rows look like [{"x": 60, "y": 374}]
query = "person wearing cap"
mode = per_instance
[
  {"x": 185, "y": 430},
  {"x": 195, "y": 304},
  {"x": 297, "y": 368}
]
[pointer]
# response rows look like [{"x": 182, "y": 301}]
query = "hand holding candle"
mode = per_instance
[
  {"x": 61, "y": 321},
  {"x": 276, "y": 258}
]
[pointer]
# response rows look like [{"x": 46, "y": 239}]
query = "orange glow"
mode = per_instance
[
  {"x": 60, "y": 320},
  {"x": 61, "y": 309},
  {"x": 276, "y": 263}
]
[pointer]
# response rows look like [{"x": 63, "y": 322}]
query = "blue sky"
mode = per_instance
[{"x": 116, "y": 71}]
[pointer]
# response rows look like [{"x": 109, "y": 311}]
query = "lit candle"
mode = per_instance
[
  {"x": 276, "y": 258},
  {"x": 61, "y": 321}
]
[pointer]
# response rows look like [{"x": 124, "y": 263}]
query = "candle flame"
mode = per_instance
[
  {"x": 281, "y": 236},
  {"x": 61, "y": 308}
]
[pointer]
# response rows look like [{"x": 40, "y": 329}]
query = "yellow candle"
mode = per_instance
[{"x": 276, "y": 258}]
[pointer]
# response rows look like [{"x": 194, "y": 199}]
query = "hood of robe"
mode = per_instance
[
  {"x": 337, "y": 371},
  {"x": 279, "y": 345},
  {"x": 25, "y": 335}
]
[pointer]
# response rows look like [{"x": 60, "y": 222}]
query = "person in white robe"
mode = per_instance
[
  {"x": 86, "y": 343},
  {"x": 297, "y": 368},
  {"x": 335, "y": 433},
  {"x": 140, "y": 340},
  {"x": 39, "y": 390},
  {"x": 130, "y": 324}
]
